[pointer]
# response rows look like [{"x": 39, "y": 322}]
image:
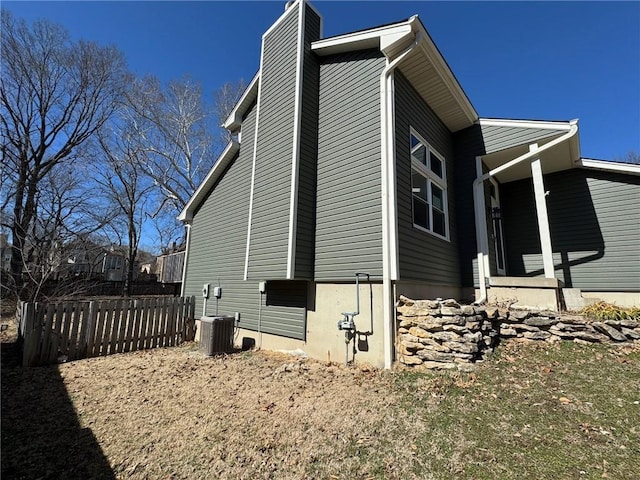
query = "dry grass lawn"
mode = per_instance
[{"x": 531, "y": 411}]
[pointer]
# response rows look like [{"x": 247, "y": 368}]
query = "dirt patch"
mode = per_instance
[
  {"x": 172, "y": 413},
  {"x": 529, "y": 411}
]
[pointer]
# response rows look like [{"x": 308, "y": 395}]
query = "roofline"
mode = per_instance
[
  {"x": 542, "y": 124},
  {"x": 358, "y": 40},
  {"x": 384, "y": 37},
  {"x": 234, "y": 120},
  {"x": 610, "y": 166},
  {"x": 442, "y": 67},
  {"x": 216, "y": 171}
]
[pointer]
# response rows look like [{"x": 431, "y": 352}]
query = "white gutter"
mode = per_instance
[
  {"x": 478, "y": 201},
  {"x": 389, "y": 225},
  {"x": 186, "y": 256}
]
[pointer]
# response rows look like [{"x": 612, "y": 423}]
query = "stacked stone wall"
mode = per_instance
[{"x": 443, "y": 334}]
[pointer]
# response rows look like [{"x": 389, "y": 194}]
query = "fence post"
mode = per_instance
[
  {"x": 190, "y": 321},
  {"x": 31, "y": 331}
]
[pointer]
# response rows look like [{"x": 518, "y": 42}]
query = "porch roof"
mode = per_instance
[{"x": 562, "y": 156}]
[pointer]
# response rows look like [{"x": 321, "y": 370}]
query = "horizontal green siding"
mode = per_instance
[
  {"x": 305, "y": 231},
  {"x": 269, "y": 244},
  {"x": 594, "y": 219},
  {"x": 348, "y": 209},
  {"x": 422, "y": 255},
  {"x": 218, "y": 245}
]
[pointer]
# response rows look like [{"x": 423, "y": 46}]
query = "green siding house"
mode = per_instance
[{"x": 360, "y": 171}]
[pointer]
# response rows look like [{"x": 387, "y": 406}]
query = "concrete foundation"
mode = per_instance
[
  {"x": 524, "y": 292},
  {"x": 621, "y": 299},
  {"x": 324, "y": 341}
]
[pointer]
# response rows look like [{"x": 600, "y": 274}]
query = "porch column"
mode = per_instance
[{"x": 543, "y": 218}]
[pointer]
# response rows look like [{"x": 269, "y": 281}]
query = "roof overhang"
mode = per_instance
[
  {"x": 234, "y": 120},
  {"x": 216, "y": 171},
  {"x": 562, "y": 156},
  {"x": 425, "y": 67},
  {"x": 618, "y": 167}
]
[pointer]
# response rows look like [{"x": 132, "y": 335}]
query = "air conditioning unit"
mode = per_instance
[{"x": 216, "y": 334}]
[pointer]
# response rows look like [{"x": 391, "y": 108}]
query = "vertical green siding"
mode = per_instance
[
  {"x": 595, "y": 229},
  {"x": 348, "y": 211},
  {"x": 218, "y": 245},
  {"x": 274, "y": 152},
  {"x": 422, "y": 256},
  {"x": 468, "y": 144},
  {"x": 305, "y": 232}
]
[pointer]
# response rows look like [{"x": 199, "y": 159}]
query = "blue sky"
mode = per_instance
[{"x": 530, "y": 60}]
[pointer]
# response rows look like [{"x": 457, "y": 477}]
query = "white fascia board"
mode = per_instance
[
  {"x": 196, "y": 199},
  {"x": 620, "y": 167},
  {"x": 234, "y": 120},
  {"x": 360, "y": 40},
  {"x": 546, "y": 125}
]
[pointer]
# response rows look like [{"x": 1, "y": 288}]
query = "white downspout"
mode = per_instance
[
  {"x": 478, "y": 201},
  {"x": 186, "y": 255},
  {"x": 389, "y": 231}
]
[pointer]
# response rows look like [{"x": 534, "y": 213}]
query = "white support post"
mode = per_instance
[{"x": 543, "y": 218}]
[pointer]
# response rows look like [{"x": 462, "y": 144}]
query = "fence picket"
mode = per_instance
[
  {"x": 124, "y": 319},
  {"x": 179, "y": 332},
  {"x": 108, "y": 324},
  {"x": 75, "y": 326},
  {"x": 85, "y": 329},
  {"x": 97, "y": 342},
  {"x": 131, "y": 311},
  {"x": 191, "y": 318},
  {"x": 157, "y": 309},
  {"x": 66, "y": 324},
  {"x": 117, "y": 317},
  {"x": 164, "y": 328},
  {"x": 90, "y": 334},
  {"x": 82, "y": 336},
  {"x": 32, "y": 332},
  {"x": 47, "y": 333}
]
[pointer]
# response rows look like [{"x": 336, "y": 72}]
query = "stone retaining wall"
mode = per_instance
[{"x": 443, "y": 334}]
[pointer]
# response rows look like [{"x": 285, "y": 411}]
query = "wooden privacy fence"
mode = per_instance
[{"x": 50, "y": 332}]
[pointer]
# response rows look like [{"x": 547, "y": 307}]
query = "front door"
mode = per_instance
[{"x": 496, "y": 221}]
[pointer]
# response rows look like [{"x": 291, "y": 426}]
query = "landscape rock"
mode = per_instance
[
  {"x": 536, "y": 335},
  {"x": 630, "y": 333},
  {"x": 610, "y": 331},
  {"x": 539, "y": 321}
]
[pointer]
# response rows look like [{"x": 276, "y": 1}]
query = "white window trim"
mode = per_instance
[{"x": 431, "y": 178}]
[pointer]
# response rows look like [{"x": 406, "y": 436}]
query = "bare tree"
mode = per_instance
[
  {"x": 54, "y": 95},
  {"x": 224, "y": 100},
  {"x": 124, "y": 187},
  {"x": 175, "y": 125},
  {"x": 630, "y": 157}
]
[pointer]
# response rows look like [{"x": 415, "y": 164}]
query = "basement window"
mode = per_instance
[{"x": 428, "y": 188}]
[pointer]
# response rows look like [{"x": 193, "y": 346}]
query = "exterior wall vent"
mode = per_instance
[{"x": 216, "y": 334}]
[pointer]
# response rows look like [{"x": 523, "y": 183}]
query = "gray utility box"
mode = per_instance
[{"x": 216, "y": 334}]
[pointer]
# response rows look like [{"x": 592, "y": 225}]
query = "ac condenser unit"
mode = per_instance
[{"x": 216, "y": 334}]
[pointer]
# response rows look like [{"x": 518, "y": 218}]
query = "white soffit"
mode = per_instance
[{"x": 425, "y": 67}]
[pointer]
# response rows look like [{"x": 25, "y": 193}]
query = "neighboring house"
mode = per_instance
[
  {"x": 361, "y": 153},
  {"x": 169, "y": 267},
  {"x": 5, "y": 253}
]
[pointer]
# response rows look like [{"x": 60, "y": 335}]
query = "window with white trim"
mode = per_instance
[{"x": 428, "y": 188}]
